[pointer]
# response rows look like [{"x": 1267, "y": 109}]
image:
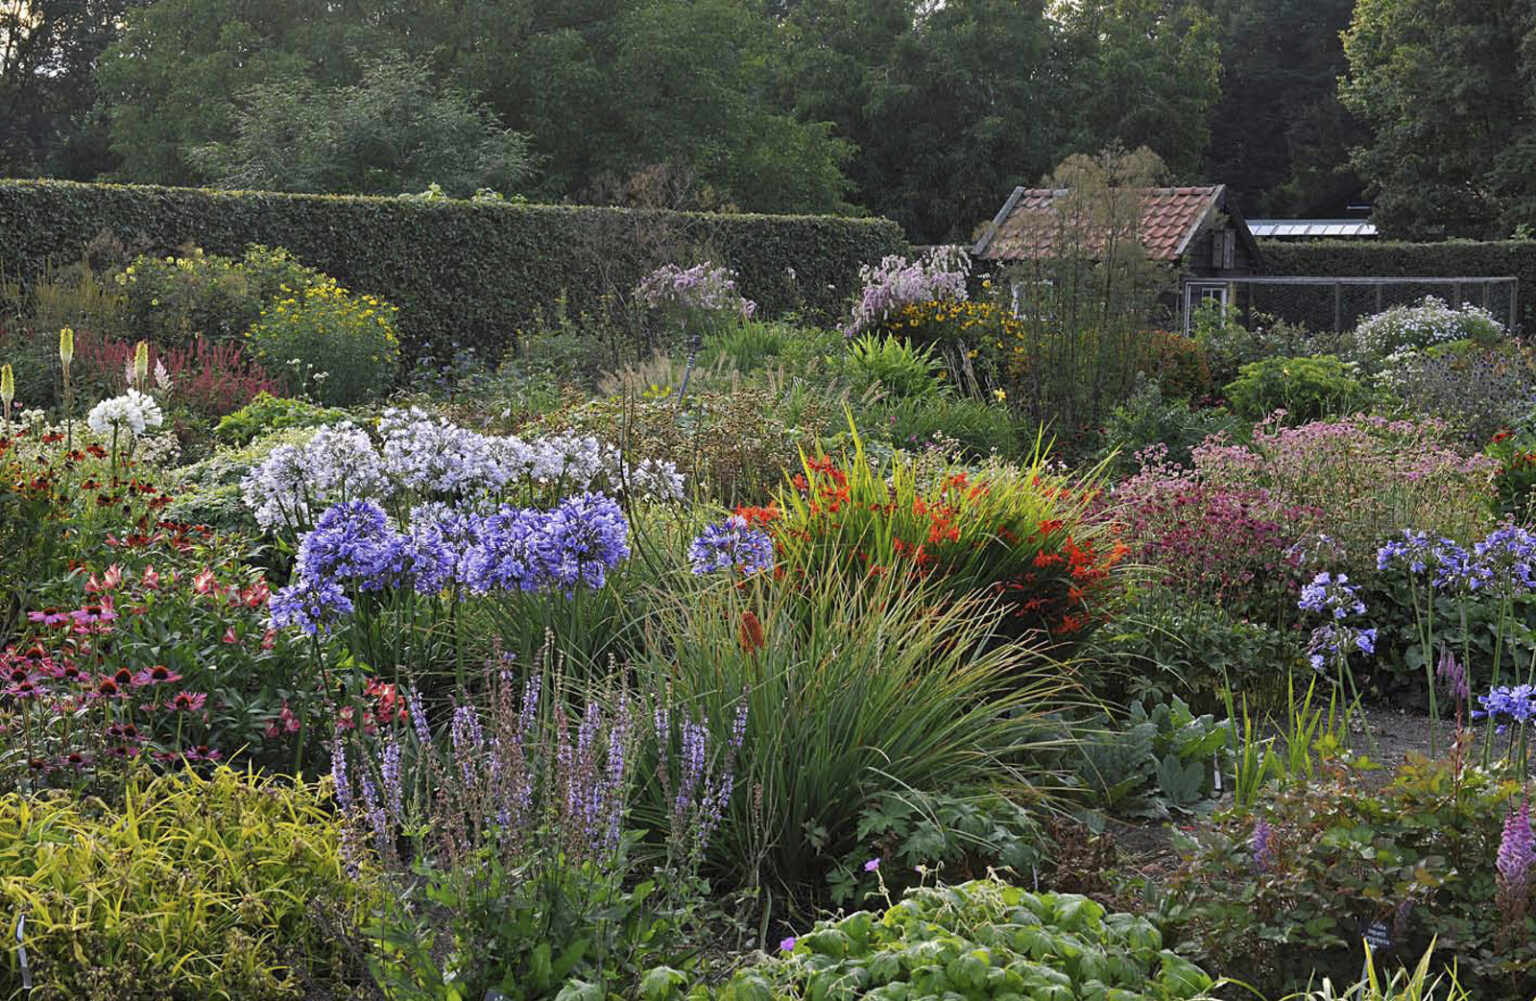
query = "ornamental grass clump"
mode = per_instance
[
  {"x": 193, "y": 886},
  {"x": 855, "y": 687}
]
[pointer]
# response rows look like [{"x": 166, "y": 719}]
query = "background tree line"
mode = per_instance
[{"x": 927, "y": 112}]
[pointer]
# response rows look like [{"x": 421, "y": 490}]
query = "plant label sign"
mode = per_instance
[{"x": 1378, "y": 936}]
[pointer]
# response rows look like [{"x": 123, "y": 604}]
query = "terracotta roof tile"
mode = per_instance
[{"x": 1169, "y": 216}]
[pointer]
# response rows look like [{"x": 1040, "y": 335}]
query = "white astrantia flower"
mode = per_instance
[{"x": 132, "y": 413}]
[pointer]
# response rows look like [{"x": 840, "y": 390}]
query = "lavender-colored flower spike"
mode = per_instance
[
  {"x": 1259, "y": 845},
  {"x": 1454, "y": 675},
  {"x": 1516, "y": 856},
  {"x": 339, "y": 776}
]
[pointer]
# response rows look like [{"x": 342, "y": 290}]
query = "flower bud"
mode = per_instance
[
  {"x": 141, "y": 363},
  {"x": 66, "y": 346},
  {"x": 7, "y": 386}
]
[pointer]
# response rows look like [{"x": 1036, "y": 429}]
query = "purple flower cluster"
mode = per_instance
[
  {"x": 895, "y": 282},
  {"x": 1262, "y": 858},
  {"x": 1512, "y": 703},
  {"x": 733, "y": 545},
  {"x": 576, "y": 545},
  {"x": 514, "y": 549},
  {"x": 1454, "y": 675},
  {"x": 705, "y": 777},
  {"x": 1332, "y": 596},
  {"x": 1503, "y": 564},
  {"x": 703, "y": 288},
  {"x": 1516, "y": 856},
  {"x": 1329, "y": 642}
]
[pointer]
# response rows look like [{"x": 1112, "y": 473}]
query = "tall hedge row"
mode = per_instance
[
  {"x": 1392, "y": 259},
  {"x": 462, "y": 273}
]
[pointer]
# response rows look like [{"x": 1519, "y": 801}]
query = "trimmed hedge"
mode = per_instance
[
  {"x": 462, "y": 273},
  {"x": 1394, "y": 259}
]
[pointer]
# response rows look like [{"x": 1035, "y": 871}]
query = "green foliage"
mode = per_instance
[
  {"x": 916, "y": 834},
  {"x": 268, "y": 413},
  {"x": 894, "y": 364},
  {"x": 338, "y": 347},
  {"x": 422, "y": 255},
  {"x": 1152, "y": 763},
  {"x": 854, "y": 692},
  {"x": 1178, "y": 365},
  {"x": 1401, "y": 985},
  {"x": 192, "y": 887},
  {"x": 171, "y": 300},
  {"x": 974, "y": 428},
  {"x": 983, "y": 939},
  {"x": 1416, "y": 853},
  {"x": 391, "y": 132},
  {"x": 1166, "y": 645},
  {"x": 1147, "y": 418},
  {"x": 208, "y": 491},
  {"x": 1307, "y": 389},
  {"x": 1433, "y": 173}
]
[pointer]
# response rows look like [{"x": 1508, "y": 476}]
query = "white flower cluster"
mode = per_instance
[
  {"x": 133, "y": 413},
  {"x": 296, "y": 481},
  {"x": 436, "y": 460},
  {"x": 1423, "y": 325}
]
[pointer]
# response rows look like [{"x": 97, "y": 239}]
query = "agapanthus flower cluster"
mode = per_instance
[
  {"x": 440, "y": 462},
  {"x": 354, "y": 548},
  {"x": 337, "y": 463},
  {"x": 732, "y": 546},
  {"x": 1507, "y": 704},
  {"x": 702, "y": 288},
  {"x": 896, "y": 282},
  {"x": 1503, "y": 564},
  {"x": 1332, "y": 596},
  {"x": 133, "y": 414}
]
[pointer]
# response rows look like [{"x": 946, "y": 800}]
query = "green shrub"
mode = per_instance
[
  {"x": 325, "y": 341},
  {"x": 978, "y": 429},
  {"x": 977, "y": 940},
  {"x": 1150, "y": 418},
  {"x": 1416, "y": 854},
  {"x": 1307, "y": 389},
  {"x": 1423, "y": 325},
  {"x": 194, "y": 887},
  {"x": 1178, "y": 364},
  {"x": 208, "y": 491},
  {"x": 903, "y": 371},
  {"x": 272, "y": 413},
  {"x": 173, "y": 299},
  {"x": 422, "y": 255}
]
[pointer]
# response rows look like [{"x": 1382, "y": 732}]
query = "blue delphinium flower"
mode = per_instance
[{"x": 732, "y": 545}]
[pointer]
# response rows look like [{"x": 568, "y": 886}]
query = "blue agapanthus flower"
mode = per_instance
[
  {"x": 1333, "y": 596},
  {"x": 1507, "y": 704},
  {"x": 309, "y": 605},
  {"x": 732, "y": 545},
  {"x": 352, "y": 542},
  {"x": 581, "y": 541}
]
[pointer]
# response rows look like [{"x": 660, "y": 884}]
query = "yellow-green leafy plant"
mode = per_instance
[
  {"x": 191, "y": 887},
  {"x": 323, "y": 340}
]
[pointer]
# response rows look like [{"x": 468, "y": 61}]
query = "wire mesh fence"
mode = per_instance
[{"x": 1335, "y": 305}]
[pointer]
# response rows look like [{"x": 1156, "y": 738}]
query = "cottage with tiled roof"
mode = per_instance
[{"x": 1198, "y": 229}]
